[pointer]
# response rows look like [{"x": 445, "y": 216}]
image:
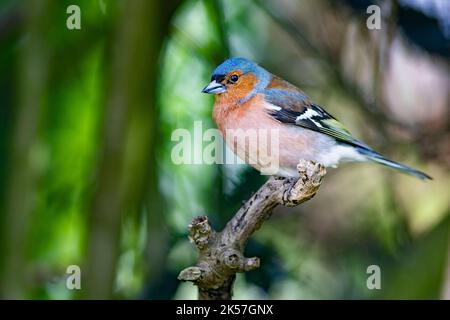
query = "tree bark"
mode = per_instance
[{"x": 221, "y": 253}]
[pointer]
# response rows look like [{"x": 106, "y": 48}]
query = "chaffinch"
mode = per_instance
[{"x": 249, "y": 97}]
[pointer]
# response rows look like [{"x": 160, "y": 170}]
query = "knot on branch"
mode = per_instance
[
  {"x": 221, "y": 254},
  {"x": 200, "y": 232},
  {"x": 306, "y": 186},
  {"x": 236, "y": 262},
  {"x": 190, "y": 274}
]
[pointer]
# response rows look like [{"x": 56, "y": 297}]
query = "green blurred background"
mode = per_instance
[{"x": 86, "y": 117}]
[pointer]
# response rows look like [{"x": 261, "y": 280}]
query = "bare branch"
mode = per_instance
[{"x": 221, "y": 254}]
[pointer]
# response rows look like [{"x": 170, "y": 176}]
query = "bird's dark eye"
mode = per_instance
[{"x": 234, "y": 78}]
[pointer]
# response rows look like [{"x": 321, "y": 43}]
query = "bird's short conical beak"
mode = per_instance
[{"x": 214, "y": 87}]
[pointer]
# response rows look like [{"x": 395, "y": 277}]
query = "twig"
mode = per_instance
[{"x": 221, "y": 253}]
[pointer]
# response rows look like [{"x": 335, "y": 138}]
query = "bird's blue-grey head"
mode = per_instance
[{"x": 229, "y": 72}]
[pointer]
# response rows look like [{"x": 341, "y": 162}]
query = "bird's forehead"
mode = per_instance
[{"x": 235, "y": 64}]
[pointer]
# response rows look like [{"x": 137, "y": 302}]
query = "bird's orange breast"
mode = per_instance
[
  {"x": 248, "y": 115},
  {"x": 287, "y": 142}
]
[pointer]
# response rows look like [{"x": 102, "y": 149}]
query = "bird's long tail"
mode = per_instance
[{"x": 376, "y": 157}]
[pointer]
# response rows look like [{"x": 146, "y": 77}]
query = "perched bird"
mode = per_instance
[{"x": 249, "y": 97}]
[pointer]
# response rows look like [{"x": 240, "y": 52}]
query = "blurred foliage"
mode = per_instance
[{"x": 86, "y": 118}]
